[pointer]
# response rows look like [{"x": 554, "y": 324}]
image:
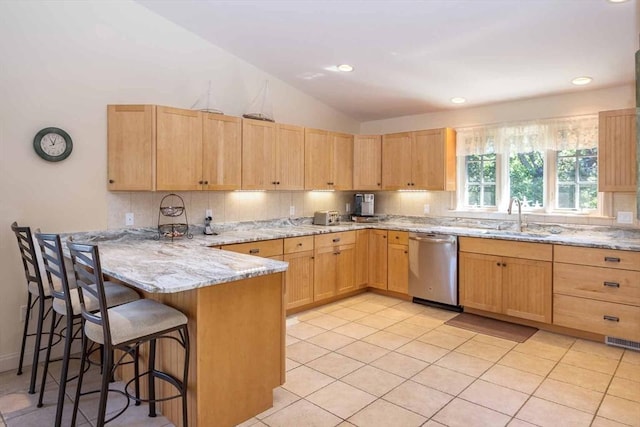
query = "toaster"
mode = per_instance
[{"x": 326, "y": 218}]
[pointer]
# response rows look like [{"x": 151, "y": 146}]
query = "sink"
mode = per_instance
[{"x": 511, "y": 233}]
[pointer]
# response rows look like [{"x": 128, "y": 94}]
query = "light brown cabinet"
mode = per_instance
[
  {"x": 272, "y": 156},
  {"x": 398, "y": 262},
  {"x": 421, "y": 160},
  {"x": 378, "y": 259},
  {"x": 367, "y": 162},
  {"x": 597, "y": 290},
  {"x": 264, "y": 248},
  {"x": 512, "y": 278},
  {"x": 334, "y": 264},
  {"x": 328, "y": 161},
  {"x": 617, "y": 167},
  {"x": 362, "y": 258},
  {"x": 221, "y": 152},
  {"x": 298, "y": 252},
  {"x": 131, "y": 147}
]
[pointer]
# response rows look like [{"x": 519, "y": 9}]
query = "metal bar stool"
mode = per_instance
[
  {"x": 38, "y": 295},
  {"x": 66, "y": 305},
  {"x": 125, "y": 327}
]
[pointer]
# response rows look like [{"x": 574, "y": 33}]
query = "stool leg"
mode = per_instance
[
  {"x": 24, "y": 333},
  {"x": 185, "y": 378},
  {"x": 64, "y": 371},
  {"x": 83, "y": 356},
  {"x": 136, "y": 372},
  {"x": 152, "y": 385},
  {"x": 47, "y": 357},
  {"x": 36, "y": 348},
  {"x": 107, "y": 367}
]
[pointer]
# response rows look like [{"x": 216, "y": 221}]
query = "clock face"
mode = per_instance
[{"x": 53, "y": 144}]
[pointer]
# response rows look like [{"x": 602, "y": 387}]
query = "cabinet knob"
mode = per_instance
[
  {"x": 379, "y": 184},
  {"x": 397, "y": 237},
  {"x": 498, "y": 264},
  {"x": 111, "y": 181},
  {"x": 408, "y": 184},
  {"x": 406, "y": 252},
  {"x": 277, "y": 182},
  {"x": 384, "y": 237},
  {"x": 504, "y": 264},
  {"x": 206, "y": 182},
  {"x": 273, "y": 182},
  {"x": 200, "y": 182}
]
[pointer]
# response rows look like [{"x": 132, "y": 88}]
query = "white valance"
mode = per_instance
[{"x": 580, "y": 132}]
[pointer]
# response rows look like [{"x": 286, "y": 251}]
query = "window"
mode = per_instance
[
  {"x": 549, "y": 165},
  {"x": 481, "y": 180}
]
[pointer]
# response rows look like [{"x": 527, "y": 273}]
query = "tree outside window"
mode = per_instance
[
  {"x": 481, "y": 180},
  {"x": 526, "y": 178},
  {"x": 577, "y": 179}
]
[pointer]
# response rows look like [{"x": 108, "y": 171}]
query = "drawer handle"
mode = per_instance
[
  {"x": 254, "y": 251},
  {"x": 611, "y": 318},
  {"x": 336, "y": 240},
  {"x": 611, "y": 259},
  {"x": 337, "y": 253},
  {"x": 611, "y": 284}
]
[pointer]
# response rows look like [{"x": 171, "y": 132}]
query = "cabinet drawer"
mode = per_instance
[
  {"x": 510, "y": 248},
  {"x": 298, "y": 244},
  {"x": 596, "y": 257},
  {"x": 331, "y": 239},
  {"x": 399, "y": 237},
  {"x": 606, "y": 284},
  {"x": 590, "y": 315},
  {"x": 265, "y": 248}
]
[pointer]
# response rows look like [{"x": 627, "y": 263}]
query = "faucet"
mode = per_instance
[{"x": 515, "y": 199}]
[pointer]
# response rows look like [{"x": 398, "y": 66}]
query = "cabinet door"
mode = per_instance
[
  {"x": 342, "y": 165},
  {"x": 258, "y": 155},
  {"x": 131, "y": 145},
  {"x": 289, "y": 168},
  {"x": 324, "y": 273},
  {"x": 362, "y": 258},
  {"x": 480, "y": 281},
  {"x": 396, "y": 161},
  {"x": 299, "y": 279},
  {"x": 434, "y": 166},
  {"x": 378, "y": 259},
  {"x": 527, "y": 289},
  {"x": 367, "y": 162},
  {"x": 222, "y": 152},
  {"x": 398, "y": 268},
  {"x": 318, "y": 159},
  {"x": 617, "y": 150},
  {"x": 179, "y": 149},
  {"x": 345, "y": 269}
]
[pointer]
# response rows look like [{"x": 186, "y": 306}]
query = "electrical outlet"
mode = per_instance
[
  {"x": 128, "y": 218},
  {"x": 625, "y": 217},
  {"x": 208, "y": 213},
  {"x": 292, "y": 210},
  {"x": 23, "y": 313},
  {"x": 427, "y": 209},
  {"x": 348, "y": 207}
]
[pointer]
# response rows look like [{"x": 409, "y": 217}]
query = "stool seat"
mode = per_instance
[
  {"x": 116, "y": 295},
  {"x": 135, "y": 320}
]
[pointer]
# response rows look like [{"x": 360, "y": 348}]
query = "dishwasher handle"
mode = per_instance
[{"x": 432, "y": 239}]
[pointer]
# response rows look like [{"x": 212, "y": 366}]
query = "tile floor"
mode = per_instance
[{"x": 372, "y": 360}]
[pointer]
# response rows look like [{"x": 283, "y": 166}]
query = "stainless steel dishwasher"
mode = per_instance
[{"x": 433, "y": 269}]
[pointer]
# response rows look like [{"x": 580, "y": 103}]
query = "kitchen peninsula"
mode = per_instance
[{"x": 235, "y": 307}]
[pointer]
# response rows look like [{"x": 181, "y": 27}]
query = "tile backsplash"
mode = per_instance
[{"x": 231, "y": 206}]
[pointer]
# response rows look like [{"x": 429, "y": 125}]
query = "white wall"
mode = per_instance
[{"x": 61, "y": 63}]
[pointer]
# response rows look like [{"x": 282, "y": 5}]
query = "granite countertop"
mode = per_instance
[{"x": 137, "y": 258}]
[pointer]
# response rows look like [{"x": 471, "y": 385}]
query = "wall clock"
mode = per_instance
[{"x": 53, "y": 144}]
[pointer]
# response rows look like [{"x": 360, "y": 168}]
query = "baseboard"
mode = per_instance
[{"x": 9, "y": 361}]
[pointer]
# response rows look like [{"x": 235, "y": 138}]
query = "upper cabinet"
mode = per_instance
[
  {"x": 367, "y": 162},
  {"x": 179, "y": 149},
  {"x": 617, "y": 150},
  {"x": 272, "y": 156},
  {"x": 131, "y": 140},
  {"x": 421, "y": 160},
  {"x": 328, "y": 160},
  {"x": 222, "y": 152}
]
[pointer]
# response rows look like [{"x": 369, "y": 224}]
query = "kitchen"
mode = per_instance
[{"x": 103, "y": 66}]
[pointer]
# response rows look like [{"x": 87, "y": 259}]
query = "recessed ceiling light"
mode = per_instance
[
  {"x": 580, "y": 81},
  {"x": 458, "y": 100},
  {"x": 345, "y": 67},
  {"x": 617, "y": 1}
]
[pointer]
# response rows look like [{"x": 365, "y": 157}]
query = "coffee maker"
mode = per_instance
[{"x": 364, "y": 205}]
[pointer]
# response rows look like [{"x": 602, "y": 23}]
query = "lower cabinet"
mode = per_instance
[
  {"x": 518, "y": 285},
  {"x": 334, "y": 264},
  {"x": 298, "y": 278},
  {"x": 362, "y": 259},
  {"x": 398, "y": 262},
  {"x": 378, "y": 259}
]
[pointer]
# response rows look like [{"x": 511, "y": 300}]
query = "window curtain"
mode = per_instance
[{"x": 579, "y": 132}]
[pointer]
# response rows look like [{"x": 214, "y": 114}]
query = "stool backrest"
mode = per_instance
[
  {"x": 29, "y": 256},
  {"x": 88, "y": 272},
  {"x": 53, "y": 258}
]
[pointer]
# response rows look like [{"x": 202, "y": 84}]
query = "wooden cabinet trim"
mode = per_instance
[{"x": 510, "y": 248}]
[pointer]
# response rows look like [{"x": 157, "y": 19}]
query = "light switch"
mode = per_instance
[
  {"x": 292, "y": 210},
  {"x": 128, "y": 218}
]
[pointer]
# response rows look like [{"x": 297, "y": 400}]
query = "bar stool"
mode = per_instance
[
  {"x": 66, "y": 304},
  {"x": 37, "y": 295},
  {"x": 125, "y": 327}
]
